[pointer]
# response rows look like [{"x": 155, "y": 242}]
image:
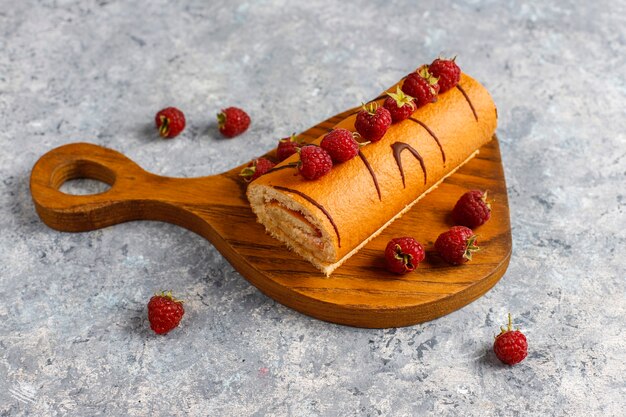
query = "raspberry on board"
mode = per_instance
[
  {"x": 472, "y": 209},
  {"x": 403, "y": 255},
  {"x": 457, "y": 245}
]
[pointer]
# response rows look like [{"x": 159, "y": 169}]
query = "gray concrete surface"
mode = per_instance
[{"x": 74, "y": 338}]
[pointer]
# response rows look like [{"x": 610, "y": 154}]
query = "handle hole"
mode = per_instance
[
  {"x": 84, "y": 186},
  {"x": 82, "y": 177}
]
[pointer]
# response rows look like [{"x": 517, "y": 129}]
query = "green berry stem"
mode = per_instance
[
  {"x": 471, "y": 247},
  {"x": 164, "y": 130},
  {"x": 508, "y": 328}
]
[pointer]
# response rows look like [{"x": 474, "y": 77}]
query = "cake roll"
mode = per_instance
[{"x": 327, "y": 220}]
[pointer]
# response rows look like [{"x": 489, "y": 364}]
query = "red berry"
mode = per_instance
[
  {"x": 421, "y": 85},
  {"x": 510, "y": 345},
  {"x": 457, "y": 245},
  {"x": 472, "y": 209},
  {"x": 287, "y": 147},
  {"x": 447, "y": 71},
  {"x": 256, "y": 168},
  {"x": 400, "y": 105},
  {"x": 170, "y": 122},
  {"x": 340, "y": 145},
  {"x": 372, "y": 122},
  {"x": 164, "y": 312},
  {"x": 233, "y": 121},
  {"x": 403, "y": 255},
  {"x": 314, "y": 163}
]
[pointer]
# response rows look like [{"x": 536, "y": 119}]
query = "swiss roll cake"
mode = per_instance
[{"x": 327, "y": 220}]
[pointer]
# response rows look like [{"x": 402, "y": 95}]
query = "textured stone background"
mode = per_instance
[{"x": 74, "y": 338}]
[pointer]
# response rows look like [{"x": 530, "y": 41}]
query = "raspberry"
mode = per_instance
[
  {"x": 421, "y": 85},
  {"x": 233, "y": 121},
  {"x": 170, "y": 122},
  {"x": 372, "y": 122},
  {"x": 400, "y": 105},
  {"x": 314, "y": 163},
  {"x": 472, "y": 209},
  {"x": 510, "y": 345},
  {"x": 456, "y": 245},
  {"x": 256, "y": 168},
  {"x": 287, "y": 147},
  {"x": 340, "y": 145},
  {"x": 447, "y": 71},
  {"x": 403, "y": 255},
  {"x": 164, "y": 312}
]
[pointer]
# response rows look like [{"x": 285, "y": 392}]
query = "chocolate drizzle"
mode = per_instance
[
  {"x": 280, "y": 167},
  {"x": 369, "y": 168},
  {"x": 431, "y": 133},
  {"x": 468, "y": 100},
  {"x": 398, "y": 147},
  {"x": 316, "y": 204}
]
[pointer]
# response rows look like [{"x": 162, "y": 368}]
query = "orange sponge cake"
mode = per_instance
[{"x": 328, "y": 220}]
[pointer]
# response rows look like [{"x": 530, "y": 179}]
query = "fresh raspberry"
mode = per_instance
[
  {"x": 170, "y": 122},
  {"x": 510, "y": 345},
  {"x": 472, "y": 209},
  {"x": 233, "y": 121},
  {"x": 457, "y": 245},
  {"x": 403, "y": 255},
  {"x": 287, "y": 147},
  {"x": 164, "y": 312},
  {"x": 340, "y": 145},
  {"x": 447, "y": 71},
  {"x": 256, "y": 168},
  {"x": 421, "y": 85},
  {"x": 372, "y": 122},
  {"x": 314, "y": 163},
  {"x": 400, "y": 105}
]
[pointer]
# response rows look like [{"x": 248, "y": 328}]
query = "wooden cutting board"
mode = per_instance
[{"x": 360, "y": 293}]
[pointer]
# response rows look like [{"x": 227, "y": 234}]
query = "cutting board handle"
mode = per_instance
[{"x": 135, "y": 194}]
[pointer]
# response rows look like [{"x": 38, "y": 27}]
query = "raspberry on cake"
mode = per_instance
[
  {"x": 314, "y": 163},
  {"x": 372, "y": 122},
  {"x": 447, "y": 71},
  {"x": 340, "y": 145},
  {"x": 422, "y": 85},
  {"x": 256, "y": 168},
  {"x": 400, "y": 105},
  {"x": 287, "y": 147}
]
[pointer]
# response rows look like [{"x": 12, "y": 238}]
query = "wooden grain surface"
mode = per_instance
[{"x": 360, "y": 293}]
